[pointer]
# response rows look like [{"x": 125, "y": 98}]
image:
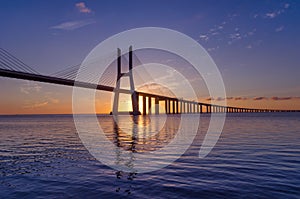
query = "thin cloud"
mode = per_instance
[
  {"x": 275, "y": 98},
  {"x": 29, "y": 87},
  {"x": 156, "y": 89},
  {"x": 223, "y": 99},
  {"x": 227, "y": 98},
  {"x": 216, "y": 99},
  {"x": 212, "y": 49},
  {"x": 281, "y": 98},
  {"x": 41, "y": 103},
  {"x": 220, "y": 99},
  {"x": 54, "y": 101},
  {"x": 36, "y": 105},
  {"x": 215, "y": 31},
  {"x": 72, "y": 25},
  {"x": 279, "y": 29},
  {"x": 271, "y": 15},
  {"x": 232, "y": 16},
  {"x": 286, "y": 6},
  {"x": 240, "y": 98},
  {"x": 260, "y": 98},
  {"x": 82, "y": 8},
  {"x": 204, "y": 37},
  {"x": 250, "y": 33}
]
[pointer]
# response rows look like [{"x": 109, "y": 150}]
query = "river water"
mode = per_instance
[{"x": 256, "y": 156}]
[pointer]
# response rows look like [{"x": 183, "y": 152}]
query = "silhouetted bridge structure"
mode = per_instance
[{"x": 12, "y": 67}]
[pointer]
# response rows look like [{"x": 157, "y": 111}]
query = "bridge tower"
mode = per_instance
[{"x": 118, "y": 90}]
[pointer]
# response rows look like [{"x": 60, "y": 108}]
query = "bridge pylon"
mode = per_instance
[{"x": 118, "y": 90}]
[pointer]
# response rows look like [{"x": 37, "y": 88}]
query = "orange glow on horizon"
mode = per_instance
[{"x": 51, "y": 99}]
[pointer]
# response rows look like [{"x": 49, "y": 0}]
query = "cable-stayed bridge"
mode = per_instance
[{"x": 12, "y": 67}]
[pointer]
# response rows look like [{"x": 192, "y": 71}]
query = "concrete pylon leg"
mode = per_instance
[{"x": 115, "y": 108}]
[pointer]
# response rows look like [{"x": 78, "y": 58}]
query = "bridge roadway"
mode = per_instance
[{"x": 172, "y": 105}]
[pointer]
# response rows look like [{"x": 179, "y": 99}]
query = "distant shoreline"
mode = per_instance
[{"x": 107, "y": 114}]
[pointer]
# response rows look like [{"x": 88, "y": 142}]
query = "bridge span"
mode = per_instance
[{"x": 12, "y": 67}]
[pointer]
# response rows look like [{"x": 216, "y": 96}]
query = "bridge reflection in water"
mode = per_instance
[
  {"x": 146, "y": 143},
  {"x": 140, "y": 133}
]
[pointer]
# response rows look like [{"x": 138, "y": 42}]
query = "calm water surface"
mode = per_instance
[{"x": 257, "y": 156}]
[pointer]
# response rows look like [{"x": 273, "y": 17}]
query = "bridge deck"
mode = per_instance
[{"x": 68, "y": 82}]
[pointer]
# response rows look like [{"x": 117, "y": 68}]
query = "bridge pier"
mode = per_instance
[
  {"x": 187, "y": 107},
  {"x": 156, "y": 105},
  {"x": 149, "y": 105},
  {"x": 174, "y": 110},
  {"x": 144, "y": 105}
]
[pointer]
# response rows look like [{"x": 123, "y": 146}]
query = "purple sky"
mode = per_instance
[{"x": 254, "y": 43}]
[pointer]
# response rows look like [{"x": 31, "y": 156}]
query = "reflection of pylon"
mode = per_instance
[{"x": 134, "y": 95}]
